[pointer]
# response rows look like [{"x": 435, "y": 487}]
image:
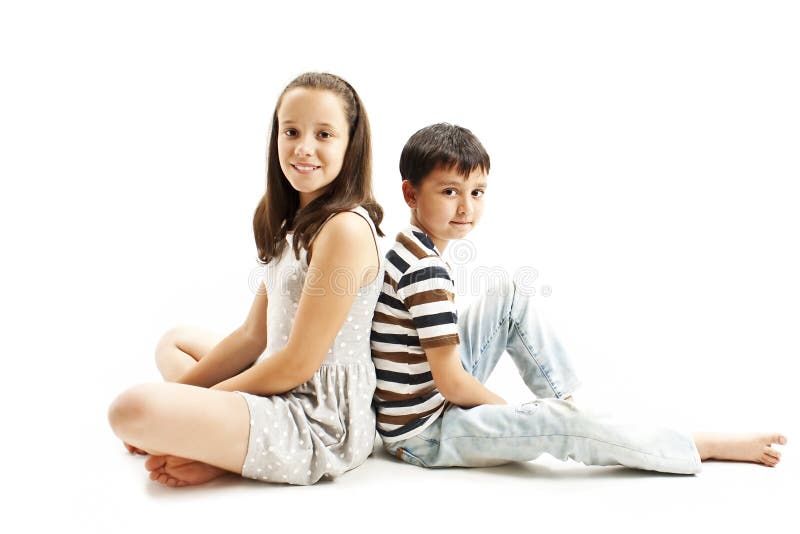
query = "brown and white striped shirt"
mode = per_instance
[{"x": 415, "y": 311}]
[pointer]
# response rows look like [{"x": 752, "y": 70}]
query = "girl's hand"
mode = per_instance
[{"x": 345, "y": 258}]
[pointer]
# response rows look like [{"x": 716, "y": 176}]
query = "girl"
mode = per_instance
[{"x": 301, "y": 410}]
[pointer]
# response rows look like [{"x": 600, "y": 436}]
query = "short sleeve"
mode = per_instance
[{"x": 427, "y": 290}]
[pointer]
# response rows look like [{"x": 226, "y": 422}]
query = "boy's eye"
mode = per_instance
[
  {"x": 477, "y": 193},
  {"x": 450, "y": 192}
]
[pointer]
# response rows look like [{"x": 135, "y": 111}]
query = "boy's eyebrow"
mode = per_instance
[{"x": 458, "y": 184}]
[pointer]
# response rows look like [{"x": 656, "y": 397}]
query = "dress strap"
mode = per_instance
[{"x": 360, "y": 210}]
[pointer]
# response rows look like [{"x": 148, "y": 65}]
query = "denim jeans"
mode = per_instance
[{"x": 503, "y": 321}]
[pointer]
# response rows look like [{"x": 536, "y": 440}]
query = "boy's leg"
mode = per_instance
[
  {"x": 505, "y": 320},
  {"x": 496, "y": 434}
]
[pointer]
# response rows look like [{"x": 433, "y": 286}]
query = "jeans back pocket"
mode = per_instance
[{"x": 409, "y": 457}]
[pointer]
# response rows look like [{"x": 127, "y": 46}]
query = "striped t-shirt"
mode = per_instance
[{"x": 415, "y": 311}]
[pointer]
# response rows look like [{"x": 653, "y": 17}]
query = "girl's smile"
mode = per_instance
[
  {"x": 304, "y": 169},
  {"x": 313, "y": 135}
]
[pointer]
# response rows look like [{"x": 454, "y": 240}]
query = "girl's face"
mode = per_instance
[{"x": 312, "y": 139}]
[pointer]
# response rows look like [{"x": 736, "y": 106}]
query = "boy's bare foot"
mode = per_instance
[
  {"x": 755, "y": 447},
  {"x": 174, "y": 471},
  {"x": 134, "y": 450}
]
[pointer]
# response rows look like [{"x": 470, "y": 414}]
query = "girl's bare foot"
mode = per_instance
[
  {"x": 133, "y": 450},
  {"x": 754, "y": 447},
  {"x": 174, "y": 471}
]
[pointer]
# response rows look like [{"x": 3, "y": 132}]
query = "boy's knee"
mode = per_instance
[{"x": 499, "y": 294}]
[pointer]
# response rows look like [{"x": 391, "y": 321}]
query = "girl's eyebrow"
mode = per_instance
[{"x": 323, "y": 124}]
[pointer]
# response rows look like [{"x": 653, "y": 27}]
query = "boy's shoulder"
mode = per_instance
[
  {"x": 413, "y": 250},
  {"x": 413, "y": 264}
]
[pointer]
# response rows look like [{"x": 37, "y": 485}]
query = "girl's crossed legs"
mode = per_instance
[{"x": 193, "y": 434}]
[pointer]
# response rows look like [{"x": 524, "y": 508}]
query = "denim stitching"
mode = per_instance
[
  {"x": 488, "y": 342},
  {"x": 523, "y": 337}
]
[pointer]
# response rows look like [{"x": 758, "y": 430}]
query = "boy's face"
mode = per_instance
[{"x": 445, "y": 204}]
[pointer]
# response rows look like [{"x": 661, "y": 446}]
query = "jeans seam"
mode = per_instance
[
  {"x": 523, "y": 337},
  {"x": 485, "y": 344}
]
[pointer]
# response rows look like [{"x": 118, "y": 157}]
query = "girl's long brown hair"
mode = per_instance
[{"x": 279, "y": 209}]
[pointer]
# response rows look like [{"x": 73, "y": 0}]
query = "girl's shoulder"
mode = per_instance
[{"x": 346, "y": 222}]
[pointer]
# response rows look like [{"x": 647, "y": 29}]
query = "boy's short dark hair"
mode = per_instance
[{"x": 443, "y": 146}]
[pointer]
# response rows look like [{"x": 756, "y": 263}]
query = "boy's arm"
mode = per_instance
[
  {"x": 426, "y": 289},
  {"x": 234, "y": 353},
  {"x": 454, "y": 383}
]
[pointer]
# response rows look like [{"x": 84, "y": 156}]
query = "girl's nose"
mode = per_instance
[{"x": 304, "y": 147}]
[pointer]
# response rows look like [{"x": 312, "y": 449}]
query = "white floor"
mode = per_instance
[
  {"x": 67, "y": 470},
  {"x": 386, "y": 495},
  {"x": 105, "y": 489}
]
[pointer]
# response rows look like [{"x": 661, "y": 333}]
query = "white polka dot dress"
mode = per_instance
[{"x": 325, "y": 426}]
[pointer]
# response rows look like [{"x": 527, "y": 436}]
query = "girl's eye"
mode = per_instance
[
  {"x": 477, "y": 193},
  {"x": 449, "y": 192},
  {"x": 325, "y": 135},
  {"x": 290, "y": 132}
]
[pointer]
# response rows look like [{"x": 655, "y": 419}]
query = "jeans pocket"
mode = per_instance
[{"x": 409, "y": 457}]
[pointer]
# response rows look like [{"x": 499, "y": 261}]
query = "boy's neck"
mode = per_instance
[{"x": 440, "y": 244}]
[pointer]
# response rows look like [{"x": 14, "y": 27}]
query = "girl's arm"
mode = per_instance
[
  {"x": 345, "y": 257},
  {"x": 234, "y": 353}
]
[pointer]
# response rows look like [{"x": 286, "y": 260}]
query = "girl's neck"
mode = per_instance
[{"x": 306, "y": 198}]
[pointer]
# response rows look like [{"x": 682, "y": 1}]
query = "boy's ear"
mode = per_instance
[{"x": 409, "y": 194}]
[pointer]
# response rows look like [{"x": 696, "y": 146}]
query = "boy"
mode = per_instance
[{"x": 433, "y": 409}]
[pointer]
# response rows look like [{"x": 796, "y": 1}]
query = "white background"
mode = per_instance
[{"x": 644, "y": 162}]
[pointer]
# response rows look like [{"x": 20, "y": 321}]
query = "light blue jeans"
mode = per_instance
[{"x": 504, "y": 320}]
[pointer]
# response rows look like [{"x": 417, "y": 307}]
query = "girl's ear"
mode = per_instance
[{"x": 409, "y": 194}]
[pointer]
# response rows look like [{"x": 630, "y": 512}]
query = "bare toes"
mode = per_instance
[
  {"x": 769, "y": 451},
  {"x": 132, "y": 449},
  {"x": 768, "y": 460},
  {"x": 780, "y": 439},
  {"x": 155, "y": 463}
]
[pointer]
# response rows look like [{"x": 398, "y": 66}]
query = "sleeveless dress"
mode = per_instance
[{"x": 325, "y": 426}]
